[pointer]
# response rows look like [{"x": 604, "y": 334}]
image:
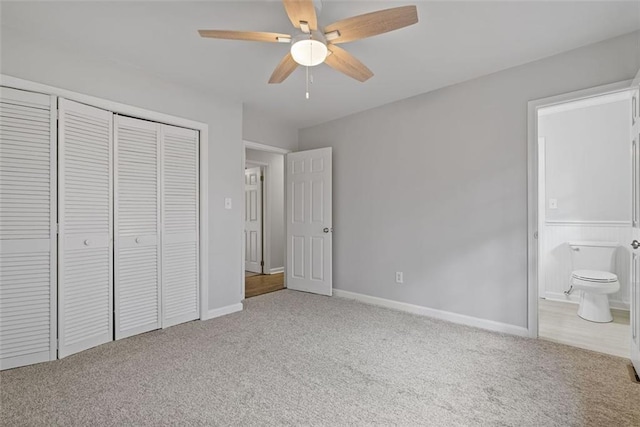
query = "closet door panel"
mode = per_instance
[
  {"x": 27, "y": 228},
  {"x": 180, "y": 176},
  {"x": 137, "y": 210},
  {"x": 86, "y": 226}
]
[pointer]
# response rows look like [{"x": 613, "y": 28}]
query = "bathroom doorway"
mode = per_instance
[
  {"x": 584, "y": 220},
  {"x": 264, "y": 238}
]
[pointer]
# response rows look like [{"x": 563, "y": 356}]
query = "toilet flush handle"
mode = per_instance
[{"x": 635, "y": 244}]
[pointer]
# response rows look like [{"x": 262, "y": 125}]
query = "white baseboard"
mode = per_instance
[
  {"x": 574, "y": 298},
  {"x": 437, "y": 314},
  {"x": 276, "y": 270},
  {"x": 222, "y": 311}
]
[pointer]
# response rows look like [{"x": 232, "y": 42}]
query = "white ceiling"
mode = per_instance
[{"x": 454, "y": 41}]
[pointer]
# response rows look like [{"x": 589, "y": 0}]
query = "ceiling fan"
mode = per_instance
[{"x": 312, "y": 45}]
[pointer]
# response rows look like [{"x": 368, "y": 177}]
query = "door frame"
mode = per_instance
[
  {"x": 266, "y": 225},
  {"x": 532, "y": 187},
  {"x": 141, "y": 113}
]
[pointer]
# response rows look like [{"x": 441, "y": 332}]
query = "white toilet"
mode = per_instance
[{"x": 593, "y": 263}]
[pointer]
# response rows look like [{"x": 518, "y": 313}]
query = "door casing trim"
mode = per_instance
[{"x": 532, "y": 186}]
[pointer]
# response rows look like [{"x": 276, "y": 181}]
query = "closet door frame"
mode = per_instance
[
  {"x": 54, "y": 227},
  {"x": 141, "y": 113},
  {"x": 53, "y": 352}
]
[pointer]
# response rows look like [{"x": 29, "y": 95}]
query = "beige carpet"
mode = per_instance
[{"x": 298, "y": 359}]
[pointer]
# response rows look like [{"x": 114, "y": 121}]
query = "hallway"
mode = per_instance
[{"x": 258, "y": 284}]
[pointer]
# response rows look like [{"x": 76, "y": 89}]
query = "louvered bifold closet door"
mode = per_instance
[
  {"x": 27, "y": 228},
  {"x": 85, "y": 216},
  {"x": 137, "y": 226},
  {"x": 180, "y": 225}
]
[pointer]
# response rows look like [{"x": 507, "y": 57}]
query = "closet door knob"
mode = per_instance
[
  {"x": 137, "y": 240},
  {"x": 87, "y": 242}
]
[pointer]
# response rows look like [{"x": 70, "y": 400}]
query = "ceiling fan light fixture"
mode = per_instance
[{"x": 309, "y": 49}]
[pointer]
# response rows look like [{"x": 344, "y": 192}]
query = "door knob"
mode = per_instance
[
  {"x": 635, "y": 244},
  {"x": 137, "y": 240},
  {"x": 326, "y": 230},
  {"x": 87, "y": 242}
]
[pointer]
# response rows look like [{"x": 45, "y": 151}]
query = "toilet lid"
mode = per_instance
[{"x": 594, "y": 276}]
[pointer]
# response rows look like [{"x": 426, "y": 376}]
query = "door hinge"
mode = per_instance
[
  {"x": 261, "y": 263},
  {"x": 535, "y": 235},
  {"x": 57, "y": 228},
  {"x": 261, "y": 178}
]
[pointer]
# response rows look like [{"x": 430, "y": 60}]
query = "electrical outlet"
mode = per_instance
[{"x": 399, "y": 277}]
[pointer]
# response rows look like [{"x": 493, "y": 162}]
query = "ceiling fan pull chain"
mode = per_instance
[
  {"x": 307, "y": 82},
  {"x": 310, "y": 56}
]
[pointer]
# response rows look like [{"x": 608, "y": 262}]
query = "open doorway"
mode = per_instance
[
  {"x": 264, "y": 236},
  {"x": 584, "y": 220}
]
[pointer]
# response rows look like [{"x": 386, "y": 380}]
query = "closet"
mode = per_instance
[
  {"x": 27, "y": 228},
  {"x": 85, "y": 255},
  {"x": 180, "y": 229},
  {"x": 137, "y": 232},
  {"x": 99, "y": 226}
]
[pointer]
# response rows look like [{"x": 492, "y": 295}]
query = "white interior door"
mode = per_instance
[
  {"x": 180, "y": 202},
  {"x": 85, "y": 262},
  {"x": 137, "y": 226},
  {"x": 309, "y": 221},
  {"x": 635, "y": 264},
  {"x": 253, "y": 220},
  {"x": 27, "y": 228}
]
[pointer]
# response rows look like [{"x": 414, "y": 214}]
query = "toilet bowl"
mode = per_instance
[
  {"x": 596, "y": 286},
  {"x": 593, "y": 277}
]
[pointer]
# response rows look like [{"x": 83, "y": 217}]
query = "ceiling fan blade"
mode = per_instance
[
  {"x": 284, "y": 68},
  {"x": 346, "y": 63},
  {"x": 301, "y": 10},
  {"x": 372, "y": 24},
  {"x": 244, "y": 35}
]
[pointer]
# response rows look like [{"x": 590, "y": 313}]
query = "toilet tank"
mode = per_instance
[{"x": 593, "y": 255}]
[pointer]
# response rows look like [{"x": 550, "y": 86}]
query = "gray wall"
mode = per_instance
[
  {"x": 49, "y": 65},
  {"x": 588, "y": 162},
  {"x": 436, "y": 185},
  {"x": 274, "y": 184},
  {"x": 262, "y": 127}
]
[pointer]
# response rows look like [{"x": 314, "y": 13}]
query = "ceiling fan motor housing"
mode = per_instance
[{"x": 309, "y": 49}]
